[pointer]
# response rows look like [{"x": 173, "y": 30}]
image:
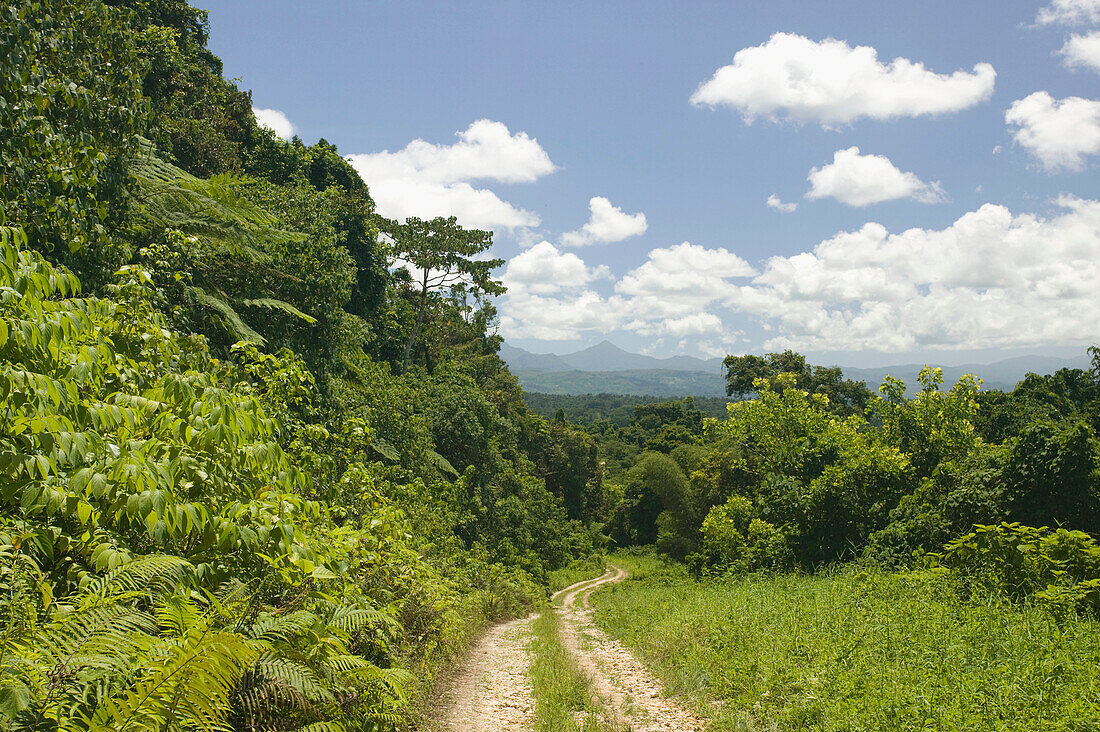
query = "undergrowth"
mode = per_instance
[{"x": 855, "y": 649}]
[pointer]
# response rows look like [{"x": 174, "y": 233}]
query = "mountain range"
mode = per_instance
[{"x": 606, "y": 368}]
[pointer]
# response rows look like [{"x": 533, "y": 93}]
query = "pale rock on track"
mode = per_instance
[{"x": 492, "y": 693}]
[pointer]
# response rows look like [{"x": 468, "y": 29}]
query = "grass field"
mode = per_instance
[{"x": 854, "y": 650}]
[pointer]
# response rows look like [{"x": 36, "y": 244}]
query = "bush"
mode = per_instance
[
  {"x": 734, "y": 540},
  {"x": 1053, "y": 566}
]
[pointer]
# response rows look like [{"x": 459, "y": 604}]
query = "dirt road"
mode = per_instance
[
  {"x": 632, "y": 698},
  {"x": 493, "y": 692}
]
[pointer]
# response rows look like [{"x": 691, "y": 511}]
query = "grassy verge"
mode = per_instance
[
  {"x": 577, "y": 571},
  {"x": 563, "y": 698},
  {"x": 854, "y": 650}
]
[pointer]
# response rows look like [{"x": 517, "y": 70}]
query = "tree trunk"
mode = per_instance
[{"x": 416, "y": 326}]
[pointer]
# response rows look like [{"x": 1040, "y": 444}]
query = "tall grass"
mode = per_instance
[
  {"x": 563, "y": 697},
  {"x": 855, "y": 649}
]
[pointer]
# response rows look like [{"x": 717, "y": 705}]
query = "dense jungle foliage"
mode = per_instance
[
  {"x": 254, "y": 476},
  {"x": 261, "y": 467}
]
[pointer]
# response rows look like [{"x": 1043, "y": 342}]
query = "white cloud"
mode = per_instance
[
  {"x": 544, "y": 269},
  {"x": 683, "y": 278},
  {"x": 562, "y": 318},
  {"x": 607, "y": 223},
  {"x": 427, "y": 180},
  {"x": 834, "y": 84},
  {"x": 670, "y": 292},
  {"x": 1059, "y": 133},
  {"x": 550, "y": 297},
  {"x": 860, "y": 180},
  {"x": 1070, "y": 12},
  {"x": 1083, "y": 51},
  {"x": 276, "y": 121},
  {"x": 990, "y": 280},
  {"x": 693, "y": 324},
  {"x": 778, "y": 204}
]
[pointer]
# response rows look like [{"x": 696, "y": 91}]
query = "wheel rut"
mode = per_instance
[
  {"x": 493, "y": 692},
  {"x": 632, "y": 699}
]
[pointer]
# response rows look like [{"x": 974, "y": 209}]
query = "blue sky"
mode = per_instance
[{"x": 966, "y": 224}]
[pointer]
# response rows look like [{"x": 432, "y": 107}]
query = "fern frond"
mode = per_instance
[
  {"x": 272, "y": 304},
  {"x": 211, "y": 209},
  {"x": 350, "y": 619},
  {"x": 385, "y": 449},
  {"x": 295, "y": 675},
  {"x": 148, "y": 574},
  {"x": 237, "y": 327},
  {"x": 192, "y": 684},
  {"x": 329, "y": 726},
  {"x": 178, "y": 615},
  {"x": 441, "y": 463},
  {"x": 271, "y": 627},
  {"x": 262, "y": 700}
]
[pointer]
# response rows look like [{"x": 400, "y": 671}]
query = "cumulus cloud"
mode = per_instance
[
  {"x": 276, "y": 121},
  {"x": 990, "y": 280},
  {"x": 1061, "y": 133},
  {"x": 606, "y": 223},
  {"x": 550, "y": 295},
  {"x": 860, "y": 180},
  {"x": 682, "y": 279},
  {"x": 1083, "y": 51},
  {"x": 1070, "y": 12},
  {"x": 780, "y": 205},
  {"x": 562, "y": 318},
  {"x": 832, "y": 83},
  {"x": 544, "y": 269},
  {"x": 426, "y": 180},
  {"x": 694, "y": 324}
]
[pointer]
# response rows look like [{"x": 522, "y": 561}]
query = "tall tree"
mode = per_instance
[{"x": 441, "y": 254}]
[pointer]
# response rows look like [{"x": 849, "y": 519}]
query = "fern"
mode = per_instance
[
  {"x": 233, "y": 322},
  {"x": 273, "y": 304},
  {"x": 440, "y": 463},
  {"x": 192, "y": 683},
  {"x": 211, "y": 209}
]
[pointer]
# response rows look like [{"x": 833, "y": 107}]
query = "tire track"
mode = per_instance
[
  {"x": 632, "y": 698},
  {"x": 492, "y": 692}
]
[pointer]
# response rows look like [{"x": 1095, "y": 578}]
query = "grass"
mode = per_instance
[
  {"x": 563, "y": 698},
  {"x": 854, "y": 650},
  {"x": 577, "y": 571}
]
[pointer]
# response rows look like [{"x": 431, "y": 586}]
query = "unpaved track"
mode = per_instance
[
  {"x": 632, "y": 698},
  {"x": 492, "y": 692}
]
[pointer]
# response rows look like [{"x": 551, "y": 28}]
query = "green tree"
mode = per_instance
[
  {"x": 441, "y": 254},
  {"x": 845, "y": 396}
]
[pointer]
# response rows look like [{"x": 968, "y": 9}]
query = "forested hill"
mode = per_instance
[
  {"x": 252, "y": 477},
  {"x": 607, "y": 369}
]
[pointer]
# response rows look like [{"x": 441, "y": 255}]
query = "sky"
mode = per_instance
[{"x": 864, "y": 182}]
